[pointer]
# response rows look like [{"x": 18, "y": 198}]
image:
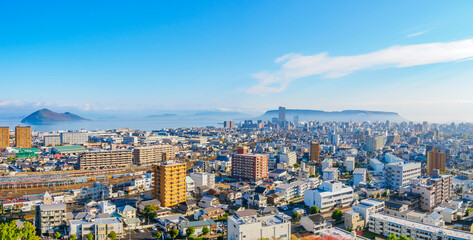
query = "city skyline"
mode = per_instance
[{"x": 245, "y": 57}]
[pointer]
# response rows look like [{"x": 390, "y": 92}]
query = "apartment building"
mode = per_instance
[
  {"x": 246, "y": 225},
  {"x": 50, "y": 217},
  {"x": 353, "y": 220},
  {"x": 289, "y": 158},
  {"x": 51, "y": 140},
  {"x": 105, "y": 159},
  {"x": 436, "y": 160},
  {"x": 314, "y": 152},
  {"x": 350, "y": 163},
  {"x": 151, "y": 154},
  {"x": 203, "y": 179},
  {"x": 4, "y": 137},
  {"x": 329, "y": 195},
  {"x": 170, "y": 183},
  {"x": 359, "y": 176},
  {"x": 294, "y": 189},
  {"x": 368, "y": 207},
  {"x": 250, "y": 166},
  {"x": 374, "y": 143},
  {"x": 377, "y": 166},
  {"x": 331, "y": 174},
  {"x": 99, "y": 227},
  {"x": 22, "y": 137},
  {"x": 386, "y": 225},
  {"x": 74, "y": 138},
  {"x": 399, "y": 174}
]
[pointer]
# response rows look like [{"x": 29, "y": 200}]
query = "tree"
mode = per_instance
[
  {"x": 90, "y": 236},
  {"x": 205, "y": 230},
  {"x": 157, "y": 235},
  {"x": 296, "y": 165},
  {"x": 9, "y": 230},
  {"x": 295, "y": 215},
  {"x": 57, "y": 235},
  {"x": 379, "y": 195},
  {"x": 150, "y": 208},
  {"x": 392, "y": 237},
  {"x": 220, "y": 238},
  {"x": 173, "y": 233},
  {"x": 190, "y": 231},
  {"x": 337, "y": 214},
  {"x": 73, "y": 237},
  {"x": 385, "y": 193},
  {"x": 112, "y": 235},
  {"x": 314, "y": 210}
]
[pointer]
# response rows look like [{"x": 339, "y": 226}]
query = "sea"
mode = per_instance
[{"x": 142, "y": 124}]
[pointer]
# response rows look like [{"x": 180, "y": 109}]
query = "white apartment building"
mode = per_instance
[
  {"x": 327, "y": 163},
  {"x": 74, "y": 138},
  {"x": 368, "y": 207},
  {"x": 359, "y": 175},
  {"x": 399, "y": 174},
  {"x": 374, "y": 143},
  {"x": 350, "y": 163},
  {"x": 248, "y": 226},
  {"x": 203, "y": 179},
  {"x": 294, "y": 189},
  {"x": 100, "y": 227},
  {"x": 329, "y": 195},
  {"x": 289, "y": 158},
  {"x": 107, "y": 207},
  {"x": 386, "y": 225},
  {"x": 377, "y": 166},
  {"x": 331, "y": 174}
]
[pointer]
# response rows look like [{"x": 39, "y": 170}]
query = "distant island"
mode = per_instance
[
  {"x": 162, "y": 115},
  {"x": 336, "y": 116},
  {"x": 48, "y": 116}
]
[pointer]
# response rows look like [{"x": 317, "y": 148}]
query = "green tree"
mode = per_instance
[
  {"x": 392, "y": 237},
  {"x": 205, "y": 230},
  {"x": 295, "y": 215},
  {"x": 73, "y": 237},
  {"x": 150, "y": 208},
  {"x": 385, "y": 193},
  {"x": 173, "y": 233},
  {"x": 112, "y": 235},
  {"x": 296, "y": 165},
  {"x": 220, "y": 238},
  {"x": 379, "y": 195},
  {"x": 9, "y": 230},
  {"x": 337, "y": 214},
  {"x": 57, "y": 235},
  {"x": 314, "y": 210},
  {"x": 157, "y": 235},
  {"x": 190, "y": 231},
  {"x": 90, "y": 236}
]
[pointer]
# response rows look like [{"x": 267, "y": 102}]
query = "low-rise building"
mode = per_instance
[
  {"x": 246, "y": 225},
  {"x": 294, "y": 189},
  {"x": 331, "y": 174},
  {"x": 329, "y": 195},
  {"x": 50, "y": 217},
  {"x": 359, "y": 176}
]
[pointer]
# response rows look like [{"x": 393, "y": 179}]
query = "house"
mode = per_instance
[
  {"x": 187, "y": 206},
  {"x": 208, "y": 201},
  {"x": 262, "y": 190},
  {"x": 209, "y": 213},
  {"x": 198, "y": 227},
  {"x": 171, "y": 221},
  {"x": 276, "y": 198},
  {"x": 127, "y": 211},
  {"x": 257, "y": 201},
  {"x": 142, "y": 204},
  {"x": 314, "y": 223}
]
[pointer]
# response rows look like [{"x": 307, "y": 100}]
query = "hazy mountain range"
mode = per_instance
[
  {"x": 338, "y": 116},
  {"x": 47, "y": 116}
]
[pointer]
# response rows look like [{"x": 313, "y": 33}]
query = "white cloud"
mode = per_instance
[
  {"x": 418, "y": 33},
  {"x": 6, "y": 103},
  {"x": 295, "y": 66}
]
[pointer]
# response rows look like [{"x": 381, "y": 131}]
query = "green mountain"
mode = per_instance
[{"x": 48, "y": 116}]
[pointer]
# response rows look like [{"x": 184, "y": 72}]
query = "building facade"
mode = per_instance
[
  {"x": 170, "y": 183},
  {"x": 436, "y": 160},
  {"x": 399, "y": 174},
  {"x": 151, "y": 154},
  {"x": 329, "y": 195},
  {"x": 50, "y": 217},
  {"x": 250, "y": 166},
  {"x": 104, "y": 159},
  {"x": 74, "y": 138},
  {"x": 251, "y": 227},
  {"x": 4, "y": 137},
  {"x": 22, "y": 137}
]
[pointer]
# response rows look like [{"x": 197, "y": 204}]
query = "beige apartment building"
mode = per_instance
[
  {"x": 170, "y": 183},
  {"x": 22, "y": 137},
  {"x": 434, "y": 191},
  {"x": 105, "y": 159},
  {"x": 4, "y": 137},
  {"x": 151, "y": 154},
  {"x": 436, "y": 160},
  {"x": 50, "y": 217}
]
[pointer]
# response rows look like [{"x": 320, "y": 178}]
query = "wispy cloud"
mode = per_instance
[
  {"x": 418, "y": 33},
  {"x": 296, "y": 66}
]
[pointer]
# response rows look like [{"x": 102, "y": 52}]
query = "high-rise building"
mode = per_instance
[
  {"x": 229, "y": 124},
  {"x": 105, "y": 159},
  {"x": 4, "y": 137},
  {"x": 374, "y": 143},
  {"x": 315, "y": 152},
  {"x": 22, "y": 137},
  {"x": 170, "y": 183},
  {"x": 436, "y": 160},
  {"x": 282, "y": 114},
  {"x": 249, "y": 166},
  {"x": 151, "y": 154},
  {"x": 296, "y": 119}
]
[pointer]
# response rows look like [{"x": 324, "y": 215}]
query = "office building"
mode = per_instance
[
  {"x": 249, "y": 166},
  {"x": 247, "y": 225},
  {"x": 374, "y": 143},
  {"x": 436, "y": 160},
  {"x": 386, "y": 225},
  {"x": 50, "y": 217},
  {"x": 329, "y": 195},
  {"x": 4, "y": 137},
  {"x": 203, "y": 179},
  {"x": 105, "y": 159},
  {"x": 22, "y": 137},
  {"x": 359, "y": 176},
  {"x": 282, "y": 114},
  {"x": 151, "y": 154},
  {"x": 229, "y": 124},
  {"x": 74, "y": 138},
  {"x": 315, "y": 151},
  {"x": 170, "y": 183},
  {"x": 399, "y": 174}
]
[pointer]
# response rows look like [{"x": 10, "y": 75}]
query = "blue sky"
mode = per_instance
[{"x": 156, "y": 57}]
